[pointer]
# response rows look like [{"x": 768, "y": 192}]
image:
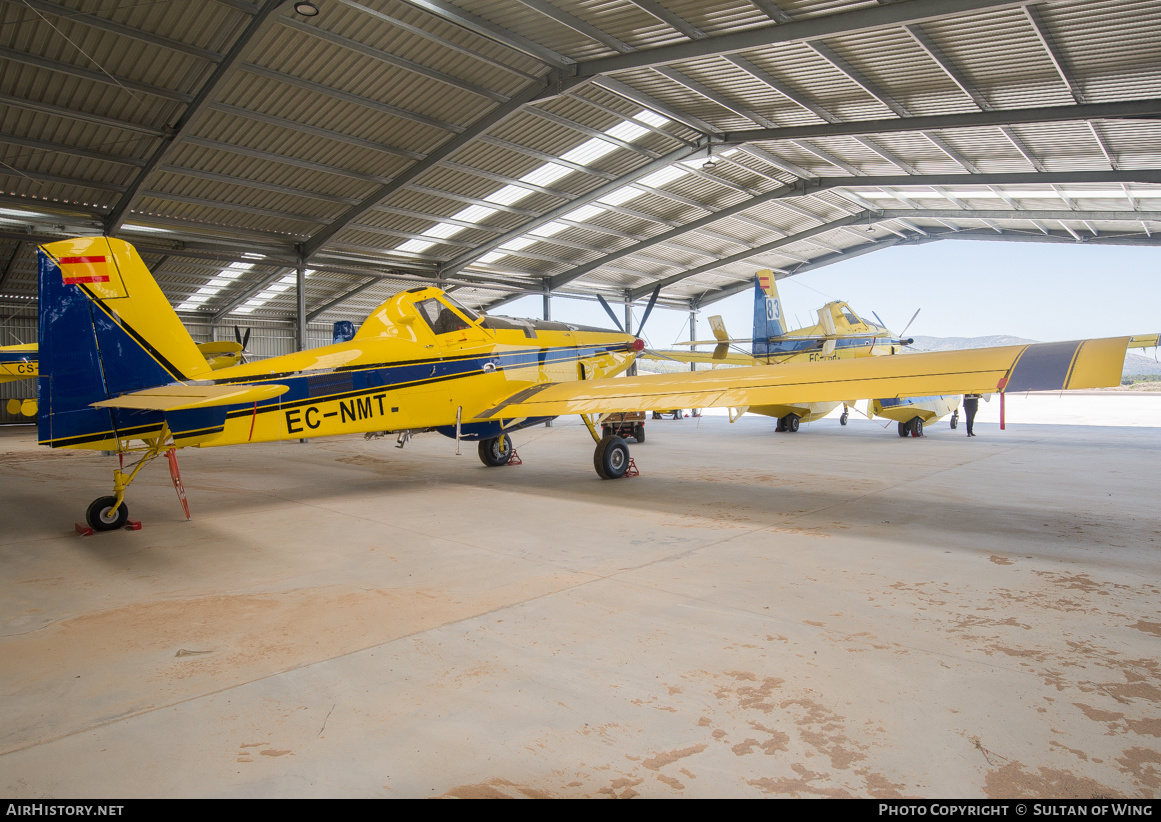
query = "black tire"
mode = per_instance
[
  {"x": 611, "y": 459},
  {"x": 954, "y": 420},
  {"x": 98, "y": 514},
  {"x": 904, "y": 429},
  {"x": 843, "y": 419},
  {"x": 639, "y": 432},
  {"x": 496, "y": 451},
  {"x": 916, "y": 427},
  {"x": 790, "y": 423}
]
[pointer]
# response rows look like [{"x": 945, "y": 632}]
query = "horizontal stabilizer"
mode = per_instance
[
  {"x": 1144, "y": 341},
  {"x": 186, "y": 397}
]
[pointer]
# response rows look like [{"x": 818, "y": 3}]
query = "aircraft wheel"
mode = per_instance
[
  {"x": 790, "y": 423},
  {"x": 904, "y": 429},
  {"x": 955, "y": 419},
  {"x": 100, "y": 519},
  {"x": 639, "y": 432},
  {"x": 611, "y": 459},
  {"x": 917, "y": 427},
  {"x": 843, "y": 418},
  {"x": 496, "y": 451}
]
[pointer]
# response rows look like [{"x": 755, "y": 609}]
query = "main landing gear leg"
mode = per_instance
[{"x": 110, "y": 513}]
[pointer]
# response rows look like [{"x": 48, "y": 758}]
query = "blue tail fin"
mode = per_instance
[
  {"x": 767, "y": 313},
  {"x": 106, "y": 329}
]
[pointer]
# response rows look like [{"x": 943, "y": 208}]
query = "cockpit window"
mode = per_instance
[
  {"x": 851, "y": 318},
  {"x": 463, "y": 309},
  {"x": 441, "y": 318}
]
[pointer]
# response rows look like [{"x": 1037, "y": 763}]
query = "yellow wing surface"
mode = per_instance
[
  {"x": 1017, "y": 368},
  {"x": 187, "y": 397},
  {"x": 18, "y": 362}
]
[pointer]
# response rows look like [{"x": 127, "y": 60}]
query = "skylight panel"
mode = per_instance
[
  {"x": 507, "y": 195},
  {"x": 549, "y": 229},
  {"x": 589, "y": 151},
  {"x": 228, "y": 274},
  {"x": 650, "y": 117},
  {"x": 627, "y": 131},
  {"x": 271, "y": 291},
  {"x": 667, "y": 175},
  {"x": 442, "y": 230},
  {"x": 473, "y": 214},
  {"x": 546, "y": 174},
  {"x": 586, "y": 212},
  {"x": 621, "y": 196},
  {"x": 585, "y": 154}
]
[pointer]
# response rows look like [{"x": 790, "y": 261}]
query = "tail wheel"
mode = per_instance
[
  {"x": 611, "y": 459},
  {"x": 917, "y": 427},
  {"x": 843, "y": 418},
  {"x": 496, "y": 451},
  {"x": 955, "y": 419},
  {"x": 101, "y": 517},
  {"x": 790, "y": 423}
]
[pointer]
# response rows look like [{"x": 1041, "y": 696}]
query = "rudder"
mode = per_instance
[{"x": 768, "y": 320}]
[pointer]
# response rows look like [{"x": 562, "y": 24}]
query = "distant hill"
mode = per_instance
[{"x": 1134, "y": 363}]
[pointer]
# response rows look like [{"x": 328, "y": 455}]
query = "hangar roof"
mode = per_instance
[{"x": 506, "y": 147}]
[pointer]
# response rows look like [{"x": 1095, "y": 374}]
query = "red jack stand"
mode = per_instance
[
  {"x": 514, "y": 459},
  {"x": 632, "y": 471}
]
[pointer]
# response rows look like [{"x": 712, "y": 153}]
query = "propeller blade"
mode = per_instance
[
  {"x": 649, "y": 308},
  {"x": 609, "y": 310},
  {"x": 246, "y": 339},
  {"x": 903, "y": 333},
  {"x": 238, "y": 336}
]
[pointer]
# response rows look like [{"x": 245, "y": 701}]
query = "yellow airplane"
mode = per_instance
[
  {"x": 840, "y": 333},
  {"x": 121, "y": 373},
  {"x": 19, "y": 362}
]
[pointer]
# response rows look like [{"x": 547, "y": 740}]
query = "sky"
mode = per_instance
[{"x": 962, "y": 288}]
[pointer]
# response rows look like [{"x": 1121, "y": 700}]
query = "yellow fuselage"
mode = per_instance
[{"x": 401, "y": 372}]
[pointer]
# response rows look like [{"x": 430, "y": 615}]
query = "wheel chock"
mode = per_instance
[
  {"x": 514, "y": 459},
  {"x": 632, "y": 471},
  {"x": 87, "y": 531}
]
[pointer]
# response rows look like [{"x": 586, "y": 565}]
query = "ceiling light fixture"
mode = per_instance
[
  {"x": 710, "y": 163},
  {"x": 306, "y": 9}
]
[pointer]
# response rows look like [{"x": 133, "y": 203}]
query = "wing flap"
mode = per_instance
[
  {"x": 1088, "y": 364},
  {"x": 188, "y": 397}
]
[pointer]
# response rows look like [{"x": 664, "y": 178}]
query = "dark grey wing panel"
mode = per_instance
[{"x": 1043, "y": 367}]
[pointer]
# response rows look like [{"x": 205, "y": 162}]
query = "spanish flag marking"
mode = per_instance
[
  {"x": 764, "y": 281},
  {"x": 84, "y": 270}
]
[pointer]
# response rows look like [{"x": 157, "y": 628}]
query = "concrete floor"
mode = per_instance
[{"x": 833, "y": 613}]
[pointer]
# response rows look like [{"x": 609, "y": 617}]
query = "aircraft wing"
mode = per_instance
[
  {"x": 1039, "y": 367},
  {"x": 187, "y": 397},
  {"x": 1145, "y": 341}
]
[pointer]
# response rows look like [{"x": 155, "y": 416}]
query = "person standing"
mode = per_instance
[{"x": 971, "y": 403}]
